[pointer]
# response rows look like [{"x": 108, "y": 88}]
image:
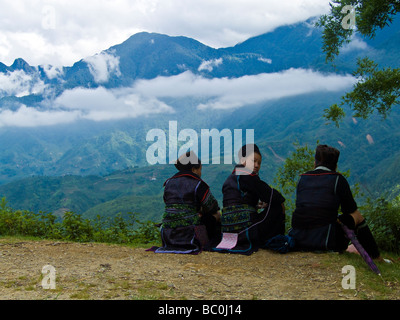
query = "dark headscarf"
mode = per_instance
[
  {"x": 188, "y": 161},
  {"x": 248, "y": 149},
  {"x": 327, "y": 156}
]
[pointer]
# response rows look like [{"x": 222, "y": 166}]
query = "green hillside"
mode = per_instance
[
  {"x": 375, "y": 166},
  {"x": 79, "y": 194},
  {"x": 138, "y": 190}
]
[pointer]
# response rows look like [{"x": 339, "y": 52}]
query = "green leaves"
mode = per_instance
[
  {"x": 75, "y": 228},
  {"x": 383, "y": 216},
  {"x": 376, "y": 89},
  {"x": 370, "y": 15},
  {"x": 334, "y": 114},
  {"x": 334, "y": 35}
]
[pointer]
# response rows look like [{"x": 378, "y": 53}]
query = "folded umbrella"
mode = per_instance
[{"x": 350, "y": 234}]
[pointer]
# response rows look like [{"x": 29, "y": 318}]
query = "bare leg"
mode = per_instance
[{"x": 358, "y": 218}]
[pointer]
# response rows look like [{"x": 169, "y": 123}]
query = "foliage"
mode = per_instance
[
  {"x": 335, "y": 114},
  {"x": 383, "y": 217},
  {"x": 376, "y": 89},
  {"x": 370, "y": 15},
  {"x": 75, "y": 228},
  {"x": 334, "y": 35},
  {"x": 26, "y": 223}
]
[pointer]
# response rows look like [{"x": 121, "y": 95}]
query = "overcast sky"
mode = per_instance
[{"x": 61, "y": 32}]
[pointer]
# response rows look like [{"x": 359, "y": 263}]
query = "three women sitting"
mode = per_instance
[{"x": 253, "y": 212}]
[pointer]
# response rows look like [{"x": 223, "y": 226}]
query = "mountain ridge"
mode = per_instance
[
  {"x": 139, "y": 57},
  {"x": 98, "y": 148}
]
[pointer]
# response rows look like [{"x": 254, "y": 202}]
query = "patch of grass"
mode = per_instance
[
  {"x": 82, "y": 292},
  {"x": 81, "y": 295},
  {"x": 370, "y": 286},
  {"x": 153, "y": 290}
]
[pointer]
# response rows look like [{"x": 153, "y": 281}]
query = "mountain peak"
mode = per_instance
[
  {"x": 21, "y": 64},
  {"x": 163, "y": 40}
]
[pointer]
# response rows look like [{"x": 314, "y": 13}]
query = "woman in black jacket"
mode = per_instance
[
  {"x": 191, "y": 218},
  {"x": 244, "y": 193},
  {"x": 320, "y": 194}
]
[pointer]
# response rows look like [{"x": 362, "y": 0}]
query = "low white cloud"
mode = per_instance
[
  {"x": 355, "y": 44},
  {"x": 101, "y": 104},
  {"x": 85, "y": 104},
  {"x": 53, "y": 72},
  {"x": 225, "y": 93},
  {"x": 265, "y": 60},
  {"x": 103, "y": 65},
  {"x": 210, "y": 64},
  {"x": 31, "y": 117},
  {"x": 145, "y": 97},
  {"x": 18, "y": 83}
]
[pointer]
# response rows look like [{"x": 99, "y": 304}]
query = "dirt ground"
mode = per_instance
[{"x": 106, "y": 272}]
